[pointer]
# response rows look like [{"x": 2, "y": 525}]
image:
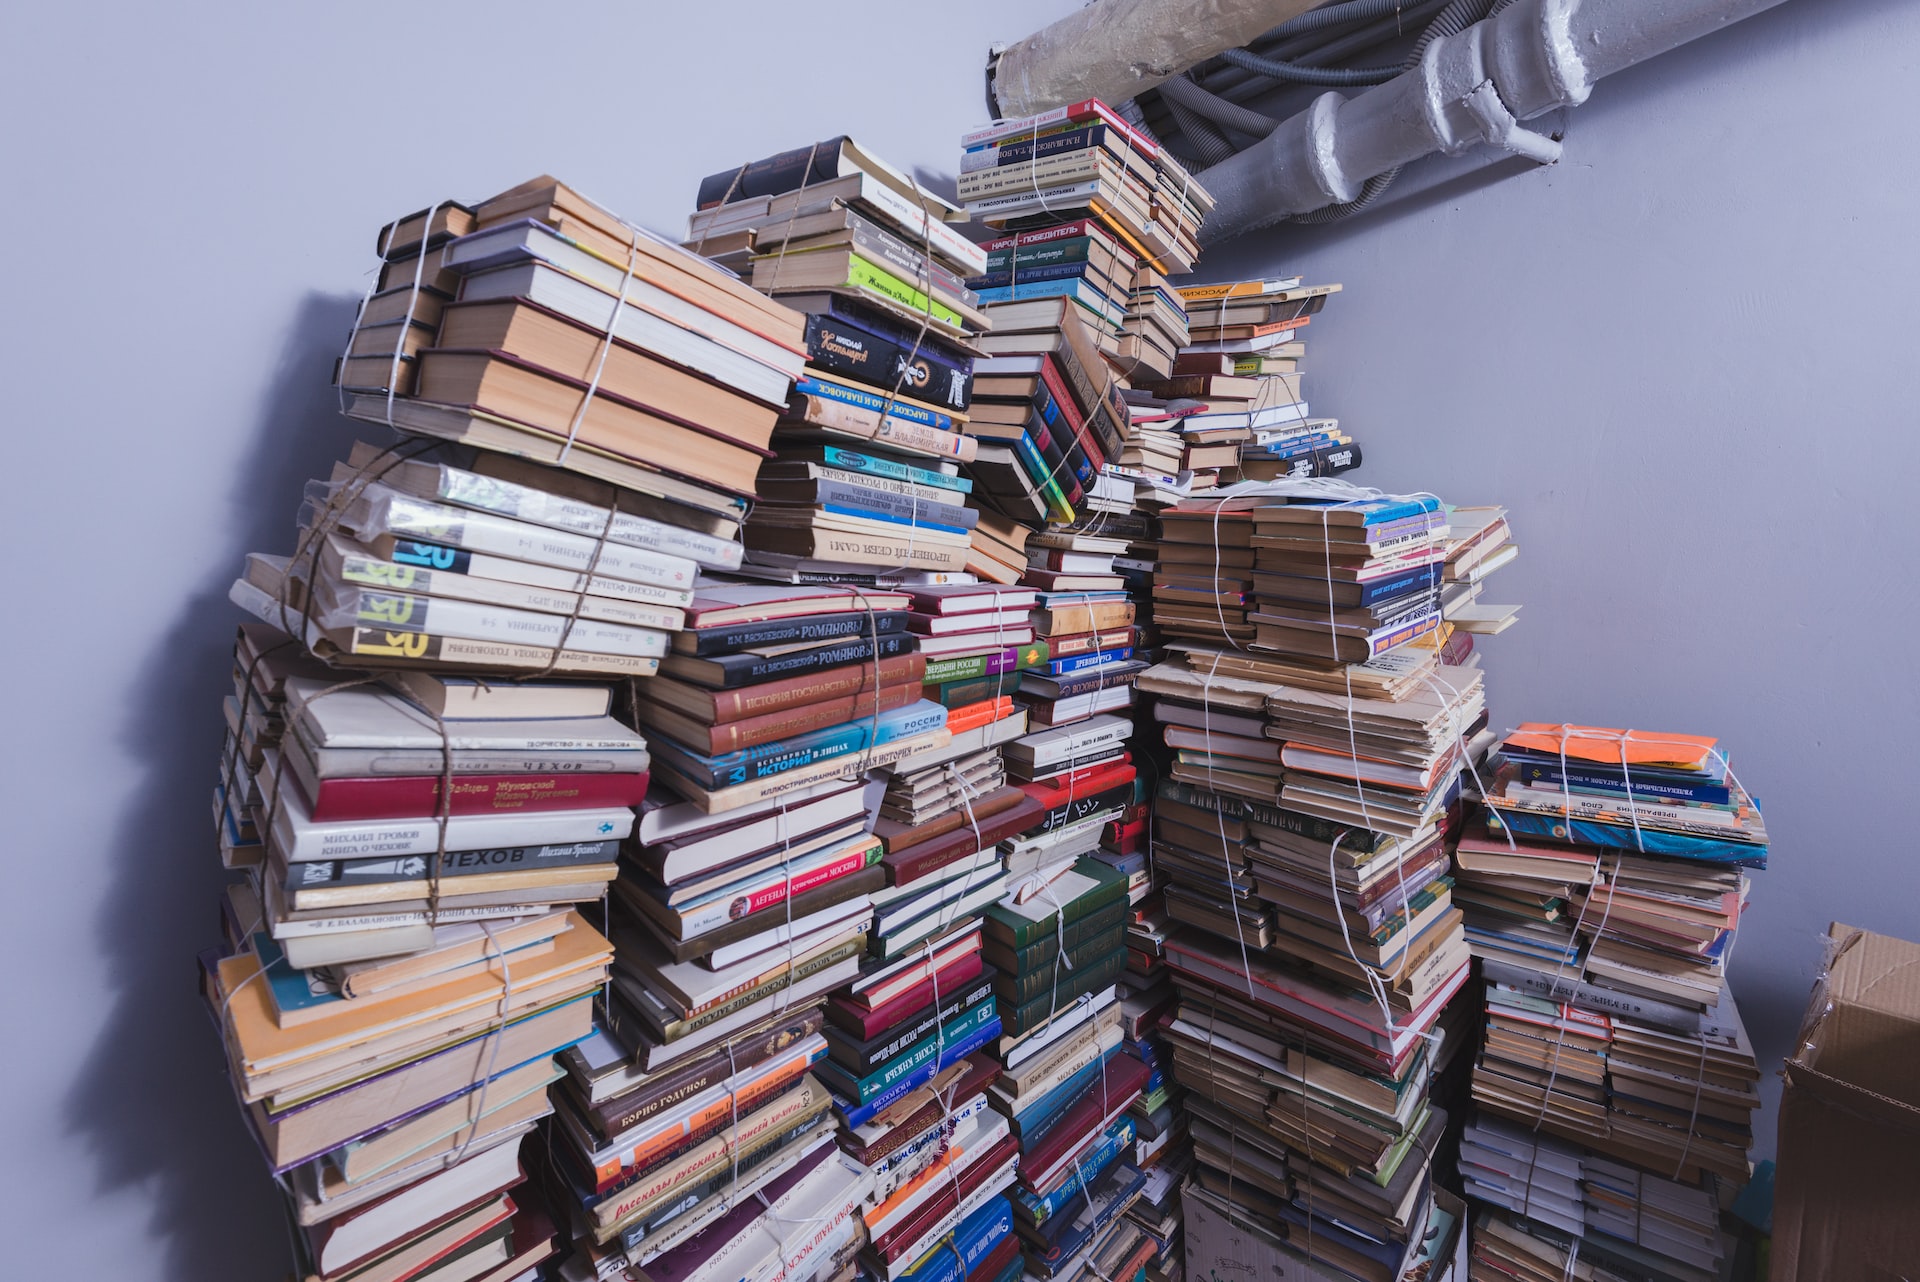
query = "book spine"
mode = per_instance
[
  {"x": 469, "y": 489},
  {"x": 1039, "y": 273},
  {"x": 1083, "y": 663},
  {"x": 1056, "y": 252},
  {"x": 1542, "y": 772},
  {"x": 1024, "y": 149},
  {"x": 926, "y": 495},
  {"x": 734, "y": 736},
  {"x": 833, "y": 627},
  {"x": 1038, "y": 1209},
  {"x": 710, "y": 917},
  {"x": 1104, "y": 926},
  {"x": 454, "y": 863},
  {"x": 775, "y": 1118},
  {"x": 702, "y": 1122},
  {"x": 770, "y": 758},
  {"x": 1033, "y": 175},
  {"x": 624, "y": 1112},
  {"x": 865, "y": 1061},
  {"x": 758, "y": 668},
  {"x": 414, "y": 796},
  {"x": 856, "y": 420},
  {"x": 772, "y": 176},
  {"x": 855, "y": 1114},
  {"x": 861, "y": 500},
  {"x": 926, "y": 859},
  {"x": 940, "y": 671},
  {"x": 1017, "y": 990},
  {"x": 863, "y": 273},
  {"x": 838, "y": 456},
  {"x": 846, "y": 679},
  {"x": 779, "y": 785},
  {"x": 873, "y": 402},
  {"x": 674, "y": 1030},
  {"x": 907, "y": 264}
]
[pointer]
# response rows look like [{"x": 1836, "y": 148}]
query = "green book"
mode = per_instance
[
  {"x": 1018, "y": 989},
  {"x": 1089, "y": 886},
  {"x": 1108, "y": 923},
  {"x": 864, "y": 274},
  {"x": 1089, "y": 978},
  {"x": 941, "y": 671}
]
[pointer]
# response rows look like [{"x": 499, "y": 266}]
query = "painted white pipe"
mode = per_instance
[
  {"x": 1472, "y": 88},
  {"x": 1114, "y": 49}
]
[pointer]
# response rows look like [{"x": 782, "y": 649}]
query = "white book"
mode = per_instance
[
  {"x": 507, "y": 262},
  {"x": 380, "y": 510},
  {"x": 300, "y": 839}
]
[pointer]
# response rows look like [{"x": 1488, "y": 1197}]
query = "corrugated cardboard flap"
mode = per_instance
[{"x": 1866, "y": 1034}]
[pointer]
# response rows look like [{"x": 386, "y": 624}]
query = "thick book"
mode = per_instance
[
  {"x": 1090, "y": 977},
  {"x": 737, "y": 904},
  {"x": 861, "y": 1056},
  {"x": 914, "y": 863},
  {"x": 893, "y": 1129},
  {"x": 861, "y": 343},
  {"x": 872, "y": 502},
  {"x": 1104, "y": 925},
  {"x": 860, "y": 1023},
  {"x": 1015, "y": 991},
  {"x": 797, "y": 630},
  {"x": 762, "y": 761},
  {"x": 1083, "y": 890},
  {"x": 419, "y": 796},
  {"x": 661, "y": 1091},
  {"x": 849, "y": 679},
  {"x": 731, "y": 671},
  {"x": 731, "y": 736}
]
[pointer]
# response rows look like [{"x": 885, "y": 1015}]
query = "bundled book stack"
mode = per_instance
[
  {"x": 1242, "y": 374},
  {"x": 506, "y": 565},
  {"x": 426, "y": 816},
  {"x": 1603, "y": 893},
  {"x": 864, "y": 481},
  {"x": 405, "y": 961},
  {"x": 538, "y": 324},
  {"x": 1312, "y": 777}
]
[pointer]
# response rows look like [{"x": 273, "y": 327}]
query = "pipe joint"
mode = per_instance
[{"x": 1500, "y": 128}]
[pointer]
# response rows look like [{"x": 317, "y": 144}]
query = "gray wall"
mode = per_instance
[
  {"x": 1666, "y": 356},
  {"x": 1684, "y": 358}
]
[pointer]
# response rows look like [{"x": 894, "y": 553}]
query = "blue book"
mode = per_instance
[
  {"x": 892, "y": 518},
  {"x": 1071, "y": 1232},
  {"x": 1082, "y": 662},
  {"x": 973, "y": 1240},
  {"x": 1038, "y": 1208},
  {"x": 1038, "y": 1118},
  {"x": 892, "y": 469},
  {"x": 862, "y": 398},
  {"x": 765, "y": 760},
  {"x": 855, "y": 1114},
  {"x": 1588, "y": 832}
]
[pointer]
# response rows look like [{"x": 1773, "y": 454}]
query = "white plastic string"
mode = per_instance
[
  {"x": 413, "y": 300},
  {"x": 599, "y": 367},
  {"x": 493, "y": 1053}
]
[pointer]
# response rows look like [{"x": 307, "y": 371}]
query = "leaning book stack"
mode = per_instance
[{"x": 424, "y": 787}]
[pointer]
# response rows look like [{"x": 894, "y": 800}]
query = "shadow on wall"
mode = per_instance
[{"x": 152, "y": 1103}]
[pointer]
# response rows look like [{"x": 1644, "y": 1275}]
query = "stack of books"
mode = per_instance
[
  {"x": 1081, "y": 161},
  {"x": 870, "y": 258},
  {"x": 1241, "y": 371},
  {"x": 404, "y": 961},
  {"x": 1068, "y": 1086},
  {"x": 1607, "y": 888},
  {"x": 1046, "y": 396},
  {"x": 545, "y": 327},
  {"x": 1081, "y": 260},
  {"x": 1550, "y": 1204},
  {"x": 411, "y": 562}
]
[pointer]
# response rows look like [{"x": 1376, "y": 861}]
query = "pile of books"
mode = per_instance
[
  {"x": 427, "y": 819},
  {"x": 1085, "y": 160},
  {"x": 1604, "y": 892},
  {"x": 537, "y": 324},
  {"x": 1550, "y": 1205},
  {"x": 411, "y": 561},
  {"x": 1242, "y": 372},
  {"x": 405, "y": 959}
]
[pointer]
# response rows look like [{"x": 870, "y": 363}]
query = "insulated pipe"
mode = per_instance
[
  {"x": 1468, "y": 89},
  {"x": 1114, "y": 49}
]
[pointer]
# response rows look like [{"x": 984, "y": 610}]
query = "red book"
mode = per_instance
[
  {"x": 968, "y": 716},
  {"x": 1083, "y": 782},
  {"x": 1070, "y": 411},
  {"x": 999, "y": 1258},
  {"x": 842, "y": 1011},
  {"x": 944, "y": 1198},
  {"x": 1124, "y": 1077},
  {"x": 418, "y": 796},
  {"x": 909, "y": 865}
]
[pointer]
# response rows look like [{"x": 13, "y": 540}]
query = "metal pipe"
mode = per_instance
[
  {"x": 1468, "y": 89},
  {"x": 1115, "y": 49}
]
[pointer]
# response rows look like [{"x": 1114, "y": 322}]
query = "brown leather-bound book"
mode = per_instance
[
  {"x": 731, "y": 736},
  {"x": 928, "y": 857}
]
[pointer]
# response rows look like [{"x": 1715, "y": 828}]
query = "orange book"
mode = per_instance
[
  {"x": 978, "y": 714},
  {"x": 1606, "y": 746}
]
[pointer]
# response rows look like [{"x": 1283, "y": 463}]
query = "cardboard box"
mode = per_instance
[
  {"x": 1847, "y": 1187},
  {"x": 1223, "y": 1250}
]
